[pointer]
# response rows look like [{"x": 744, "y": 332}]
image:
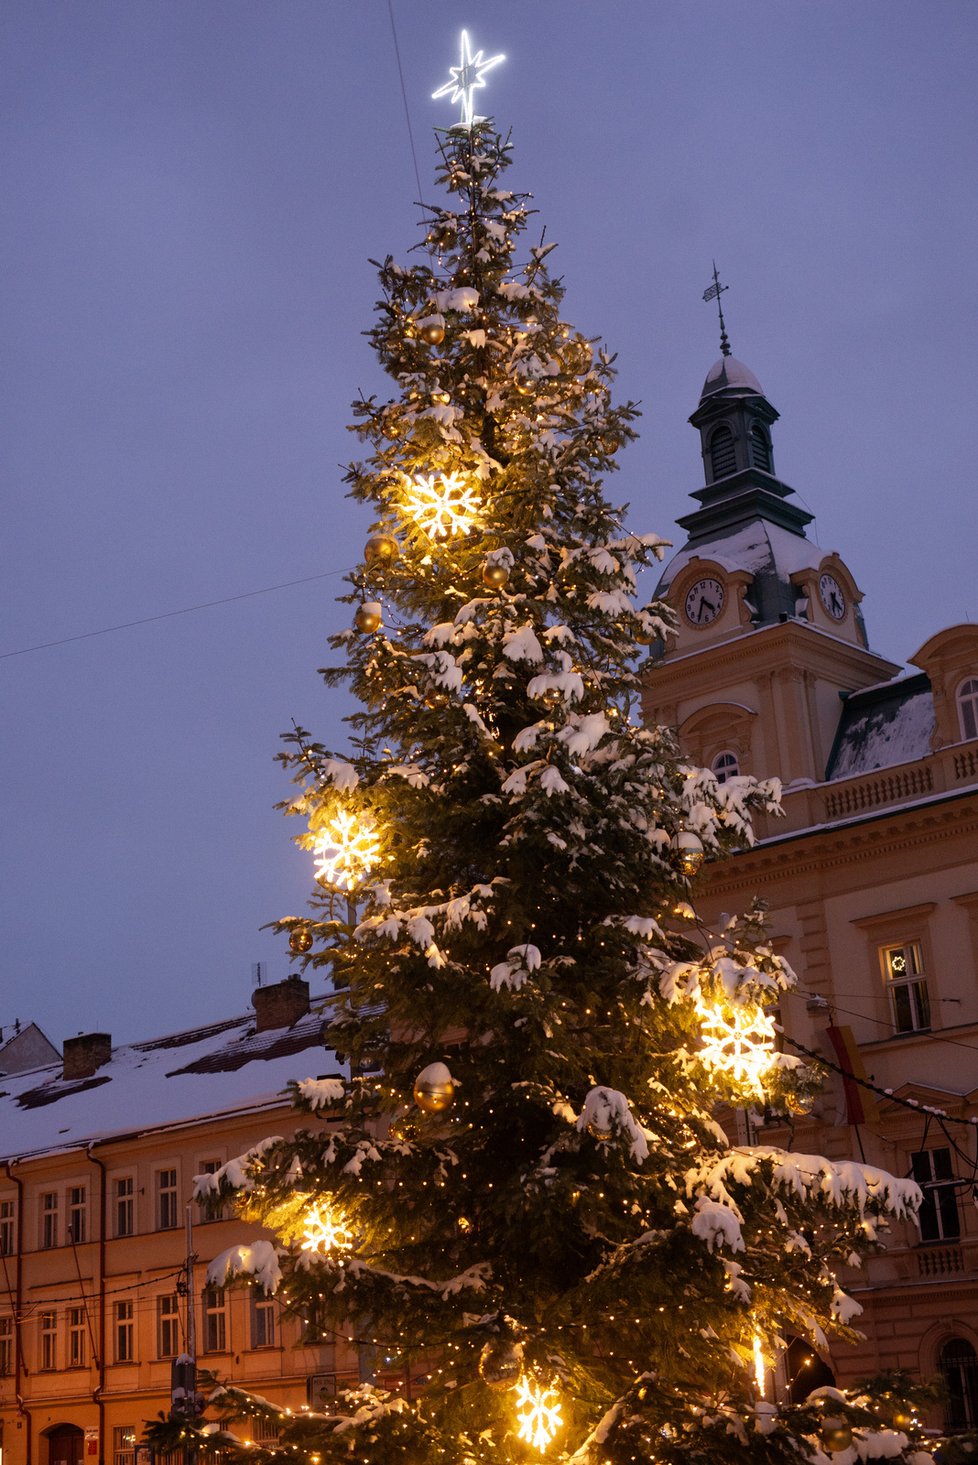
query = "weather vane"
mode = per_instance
[
  {"x": 466, "y": 77},
  {"x": 713, "y": 293}
]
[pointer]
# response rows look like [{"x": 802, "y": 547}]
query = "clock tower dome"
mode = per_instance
[{"x": 770, "y": 632}]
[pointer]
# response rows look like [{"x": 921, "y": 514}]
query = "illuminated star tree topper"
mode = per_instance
[{"x": 466, "y": 77}]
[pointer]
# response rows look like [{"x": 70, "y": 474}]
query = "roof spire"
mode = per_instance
[{"x": 713, "y": 293}]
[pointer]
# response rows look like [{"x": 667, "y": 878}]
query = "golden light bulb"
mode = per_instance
[{"x": 760, "y": 1371}]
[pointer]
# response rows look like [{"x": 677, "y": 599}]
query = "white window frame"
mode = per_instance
[
  {"x": 50, "y": 1211},
  {"x": 124, "y": 1331},
  {"x": 77, "y": 1212},
  {"x": 77, "y": 1334},
  {"x": 725, "y": 765},
  {"x": 124, "y": 1205},
  {"x": 906, "y": 987},
  {"x": 48, "y": 1329},
  {"x": 167, "y": 1322},
  {"x": 167, "y": 1198},
  {"x": 967, "y": 703}
]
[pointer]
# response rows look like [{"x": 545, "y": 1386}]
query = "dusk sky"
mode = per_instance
[{"x": 192, "y": 192}]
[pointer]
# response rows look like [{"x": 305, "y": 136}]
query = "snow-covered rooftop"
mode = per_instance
[
  {"x": 882, "y": 726},
  {"x": 729, "y": 374},
  {"x": 759, "y": 547},
  {"x": 224, "y": 1067}
]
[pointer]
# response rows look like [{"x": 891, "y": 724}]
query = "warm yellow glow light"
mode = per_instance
[
  {"x": 760, "y": 1372},
  {"x": 441, "y": 504},
  {"x": 538, "y": 1414},
  {"x": 737, "y": 1041},
  {"x": 346, "y": 849},
  {"x": 325, "y": 1232}
]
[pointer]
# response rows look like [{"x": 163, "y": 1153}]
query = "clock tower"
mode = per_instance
[{"x": 770, "y": 631}]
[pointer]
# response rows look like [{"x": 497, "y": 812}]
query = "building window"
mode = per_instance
[
  {"x": 939, "y": 1219},
  {"x": 760, "y": 449},
  {"x": 6, "y": 1228},
  {"x": 909, "y": 1002},
  {"x": 204, "y": 1212},
  {"x": 215, "y": 1320},
  {"x": 49, "y": 1340},
  {"x": 77, "y": 1213},
  {"x": 724, "y": 766},
  {"x": 77, "y": 1351},
  {"x": 124, "y": 1444},
  {"x": 723, "y": 454},
  {"x": 262, "y": 1319},
  {"x": 6, "y": 1346},
  {"x": 959, "y": 1368},
  {"x": 166, "y": 1200},
  {"x": 49, "y": 1219},
  {"x": 968, "y": 708},
  {"x": 167, "y": 1326},
  {"x": 124, "y": 1332},
  {"x": 123, "y": 1202}
]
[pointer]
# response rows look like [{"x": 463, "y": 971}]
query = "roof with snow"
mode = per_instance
[
  {"x": 769, "y": 552},
  {"x": 883, "y": 725},
  {"x": 732, "y": 376},
  {"x": 223, "y": 1068}
]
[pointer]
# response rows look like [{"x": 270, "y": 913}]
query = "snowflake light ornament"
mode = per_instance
[
  {"x": 441, "y": 504},
  {"x": 538, "y": 1414},
  {"x": 467, "y": 77},
  {"x": 346, "y": 850},
  {"x": 737, "y": 1041},
  {"x": 324, "y": 1231}
]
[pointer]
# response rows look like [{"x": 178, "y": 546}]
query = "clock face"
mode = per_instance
[
  {"x": 831, "y": 595},
  {"x": 704, "y": 602}
]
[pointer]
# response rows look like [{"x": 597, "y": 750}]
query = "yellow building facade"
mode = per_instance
[{"x": 871, "y": 877}]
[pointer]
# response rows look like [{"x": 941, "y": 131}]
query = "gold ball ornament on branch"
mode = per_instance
[
  {"x": 687, "y": 849},
  {"x": 432, "y": 330},
  {"x": 835, "y": 1435},
  {"x": 495, "y": 575},
  {"x": 368, "y": 618},
  {"x": 501, "y": 1363},
  {"x": 300, "y": 941},
  {"x": 380, "y": 549},
  {"x": 434, "y": 1089}
]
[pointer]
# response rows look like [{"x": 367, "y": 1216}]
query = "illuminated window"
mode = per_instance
[
  {"x": 968, "y": 707},
  {"x": 166, "y": 1200},
  {"x": 49, "y": 1219},
  {"x": 124, "y": 1332},
  {"x": 124, "y": 1444},
  {"x": 724, "y": 766},
  {"x": 77, "y": 1338},
  {"x": 907, "y": 988},
  {"x": 167, "y": 1326},
  {"x": 215, "y": 1320},
  {"x": 77, "y": 1213},
  {"x": 959, "y": 1368},
  {"x": 6, "y": 1228},
  {"x": 262, "y": 1319},
  {"x": 723, "y": 454},
  {"x": 6, "y": 1346},
  {"x": 49, "y": 1340},
  {"x": 123, "y": 1201},
  {"x": 939, "y": 1219}
]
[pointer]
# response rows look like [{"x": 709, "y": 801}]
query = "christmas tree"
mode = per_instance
[{"x": 528, "y": 1179}]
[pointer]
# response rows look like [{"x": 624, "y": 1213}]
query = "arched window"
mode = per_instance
[
  {"x": 723, "y": 456},
  {"x": 959, "y": 1368},
  {"x": 968, "y": 707},
  {"x": 725, "y": 765},
  {"x": 760, "y": 449}
]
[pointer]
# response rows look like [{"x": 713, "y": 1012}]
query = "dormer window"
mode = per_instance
[
  {"x": 723, "y": 455},
  {"x": 724, "y": 766},
  {"x": 760, "y": 449},
  {"x": 968, "y": 707}
]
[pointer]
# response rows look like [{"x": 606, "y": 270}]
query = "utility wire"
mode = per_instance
[
  {"x": 168, "y": 614},
  {"x": 407, "y": 110}
]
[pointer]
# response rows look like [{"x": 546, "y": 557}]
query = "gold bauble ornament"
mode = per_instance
[
  {"x": 550, "y": 697},
  {"x": 432, "y": 330},
  {"x": 799, "y": 1103},
  {"x": 501, "y": 1363},
  {"x": 610, "y": 442},
  {"x": 380, "y": 549},
  {"x": 495, "y": 575},
  {"x": 836, "y": 1435},
  {"x": 368, "y": 617},
  {"x": 300, "y": 941},
  {"x": 644, "y": 637},
  {"x": 688, "y": 850},
  {"x": 434, "y": 1090},
  {"x": 599, "y": 1133}
]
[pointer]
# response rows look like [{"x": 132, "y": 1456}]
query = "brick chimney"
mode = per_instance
[
  {"x": 85, "y": 1054},
  {"x": 281, "y": 1005}
]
